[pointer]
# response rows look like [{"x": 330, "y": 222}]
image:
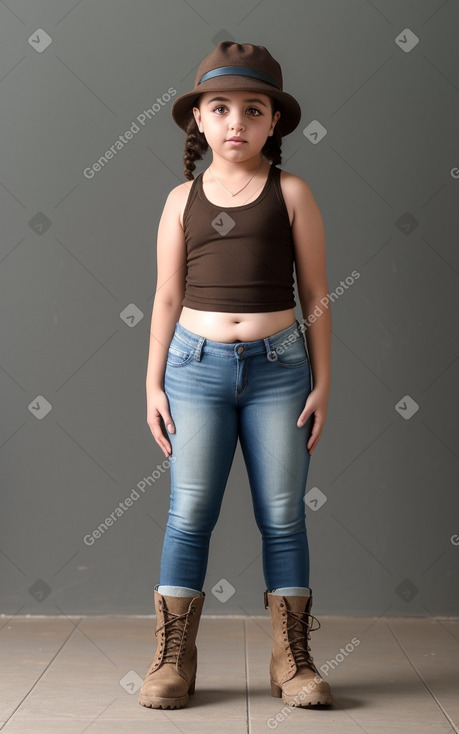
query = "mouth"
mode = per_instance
[{"x": 236, "y": 140}]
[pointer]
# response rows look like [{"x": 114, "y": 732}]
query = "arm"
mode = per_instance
[
  {"x": 170, "y": 287},
  {"x": 310, "y": 266}
]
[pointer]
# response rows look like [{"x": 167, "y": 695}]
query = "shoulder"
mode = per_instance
[
  {"x": 305, "y": 216},
  {"x": 295, "y": 189},
  {"x": 180, "y": 192},
  {"x": 177, "y": 199}
]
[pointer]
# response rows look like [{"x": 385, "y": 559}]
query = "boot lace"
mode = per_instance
[
  {"x": 173, "y": 635},
  {"x": 299, "y": 644}
]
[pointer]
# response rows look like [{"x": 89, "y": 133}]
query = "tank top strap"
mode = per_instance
[
  {"x": 278, "y": 191},
  {"x": 197, "y": 183},
  {"x": 276, "y": 177}
]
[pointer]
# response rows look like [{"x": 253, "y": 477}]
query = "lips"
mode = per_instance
[{"x": 236, "y": 140}]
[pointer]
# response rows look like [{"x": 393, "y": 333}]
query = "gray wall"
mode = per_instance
[{"x": 77, "y": 278}]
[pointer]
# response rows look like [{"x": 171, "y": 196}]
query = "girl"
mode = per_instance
[{"x": 228, "y": 360}]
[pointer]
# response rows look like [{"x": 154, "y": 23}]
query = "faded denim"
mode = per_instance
[{"x": 219, "y": 392}]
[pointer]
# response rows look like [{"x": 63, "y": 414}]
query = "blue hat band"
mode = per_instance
[{"x": 239, "y": 71}]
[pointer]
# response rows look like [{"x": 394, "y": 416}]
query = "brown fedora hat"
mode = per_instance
[{"x": 239, "y": 67}]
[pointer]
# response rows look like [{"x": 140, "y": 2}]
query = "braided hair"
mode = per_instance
[{"x": 196, "y": 146}]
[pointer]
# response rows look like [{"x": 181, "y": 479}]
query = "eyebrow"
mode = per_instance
[{"x": 226, "y": 99}]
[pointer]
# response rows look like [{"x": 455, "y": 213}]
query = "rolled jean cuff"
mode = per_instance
[
  {"x": 292, "y": 591},
  {"x": 177, "y": 590}
]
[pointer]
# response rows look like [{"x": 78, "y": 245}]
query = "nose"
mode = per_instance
[{"x": 236, "y": 121}]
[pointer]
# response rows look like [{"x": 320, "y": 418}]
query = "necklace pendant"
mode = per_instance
[{"x": 237, "y": 192}]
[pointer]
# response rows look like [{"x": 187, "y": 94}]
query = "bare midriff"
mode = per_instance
[{"x": 235, "y": 327}]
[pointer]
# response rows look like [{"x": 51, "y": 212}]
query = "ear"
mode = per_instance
[
  {"x": 276, "y": 116},
  {"x": 197, "y": 117}
]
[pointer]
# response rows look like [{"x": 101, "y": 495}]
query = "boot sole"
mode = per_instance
[
  {"x": 159, "y": 702},
  {"x": 314, "y": 699},
  {"x": 154, "y": 702}
]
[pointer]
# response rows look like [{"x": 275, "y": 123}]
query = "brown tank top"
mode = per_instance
[{"x": 239, "y": 258}]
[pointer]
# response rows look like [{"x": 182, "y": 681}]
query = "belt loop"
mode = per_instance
[
  {"x": 270, "y": 353},
  {"x": 198, "y": 350}
]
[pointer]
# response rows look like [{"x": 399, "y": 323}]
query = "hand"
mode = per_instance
[
  {"x": 157, "y": 408},
  {"x": 316, "y": 403}
]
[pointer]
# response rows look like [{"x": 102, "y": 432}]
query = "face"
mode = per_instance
[{"x": 245, "y": 115}]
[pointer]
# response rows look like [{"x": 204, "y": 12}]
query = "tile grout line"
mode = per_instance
[
  {"x": 39, "y": 678},
  {"x": 247, "y": 691},
  {"x": 442, "y": 709}
]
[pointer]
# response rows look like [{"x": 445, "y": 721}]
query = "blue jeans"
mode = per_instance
[{"x": 218, "y": 392}]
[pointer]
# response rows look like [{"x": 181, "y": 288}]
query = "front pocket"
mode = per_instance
[
  {"x": 292, "y": 354},
  {"x": 178, "y": 354}
]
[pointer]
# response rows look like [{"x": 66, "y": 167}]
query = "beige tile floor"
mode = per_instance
[{"x": 81, "y": 674}]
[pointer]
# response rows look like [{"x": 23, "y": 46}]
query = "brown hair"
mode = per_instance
[{"x": 196, "y": 145}]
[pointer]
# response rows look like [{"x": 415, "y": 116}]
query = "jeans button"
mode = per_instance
[{"x": 240, "y": 350}]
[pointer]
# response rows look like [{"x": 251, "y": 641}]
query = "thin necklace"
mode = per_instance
[{"x": 237, "y": 192}]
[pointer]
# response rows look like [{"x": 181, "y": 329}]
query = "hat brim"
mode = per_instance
[{"x": 182, "y": 108}]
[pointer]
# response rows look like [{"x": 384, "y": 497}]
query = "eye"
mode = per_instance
[
  {"x": 220, "y": 107},
  {"x": 255, "y": 110}
]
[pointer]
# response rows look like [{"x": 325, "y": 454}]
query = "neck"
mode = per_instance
[{"x": 223, "y": 168}]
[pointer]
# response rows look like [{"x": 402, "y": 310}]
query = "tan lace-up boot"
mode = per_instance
[
  {"x": 293, "y": 674},
  {"x": 171, "y": 676}
]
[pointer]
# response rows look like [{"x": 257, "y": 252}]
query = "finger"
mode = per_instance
[
  {"x": 158, "y": 435},
  {"x": 311, "y": 447},
  {"x": 168, "y": 422},
  {"x": 163, "y": 443},
  {"x": 303, "y": 418},
  {"x": 315, "y": 429},
  {"x": 314, "y": 438}
]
